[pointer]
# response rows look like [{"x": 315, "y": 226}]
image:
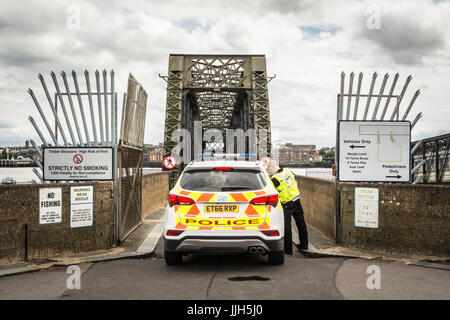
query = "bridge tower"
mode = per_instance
[{"x": 223, "y": 91}]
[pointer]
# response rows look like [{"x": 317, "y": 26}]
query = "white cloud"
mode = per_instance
[{"x": 306, "y": 43}]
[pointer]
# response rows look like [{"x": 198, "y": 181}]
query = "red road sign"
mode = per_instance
[
  {"x": 78, "y": 158},
  {"x": 169, "y": 162}
]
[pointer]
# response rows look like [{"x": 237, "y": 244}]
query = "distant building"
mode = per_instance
[
  {"x": 153, "y": 154},
  {"x": 18, "y": 152},
  {"x": 297, "y": 153}
]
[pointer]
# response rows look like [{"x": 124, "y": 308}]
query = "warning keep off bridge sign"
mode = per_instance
[{"x": 374, "y": 151}]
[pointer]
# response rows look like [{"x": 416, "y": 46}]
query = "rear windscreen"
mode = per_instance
[{"x": 212, "y": 180}]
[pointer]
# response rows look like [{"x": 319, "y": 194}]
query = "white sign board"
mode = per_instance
[
  {"x": 366, "y": 207},
  {"x": 50, "y": 203},
  {"x": 78, "y": 163},
  {"x": 81, "y": 206},
  {"x": 374, "y": 151}
]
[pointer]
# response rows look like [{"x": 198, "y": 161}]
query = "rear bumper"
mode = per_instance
[{"x": 196, "y": 244}]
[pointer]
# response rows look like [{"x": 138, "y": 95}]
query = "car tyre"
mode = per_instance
[
  {"x": 173, "y": 258},
  {"x": 276, "y": 258}
]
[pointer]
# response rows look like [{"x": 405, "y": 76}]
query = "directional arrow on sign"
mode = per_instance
[
  {"x": 397, "y": 176},
  {"x": 353, "y": 146}
]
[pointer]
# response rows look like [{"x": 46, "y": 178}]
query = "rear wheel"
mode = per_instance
[
  {"x": 276, "y": 257},
  {"x": 173, "y": 258}
]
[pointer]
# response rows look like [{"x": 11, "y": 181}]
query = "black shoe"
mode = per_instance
[{"x": 303, "y": 247}]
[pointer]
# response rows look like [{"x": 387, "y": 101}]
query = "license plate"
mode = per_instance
[{"x": 222, "y": 208}]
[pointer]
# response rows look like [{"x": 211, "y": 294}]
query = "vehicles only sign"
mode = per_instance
[
  {"x": 374, "y": 151},
  {"x": 93, "y": 163}
]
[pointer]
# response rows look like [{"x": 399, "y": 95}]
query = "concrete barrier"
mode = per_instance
[
  {"x": 155, "y": 190},
  {"x": 413, "y": 219},
  {"x": 318, "y": 201},
  {"x": 22, "y": 237}
]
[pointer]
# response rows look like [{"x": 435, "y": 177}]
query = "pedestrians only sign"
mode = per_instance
[
  {"x": 374, "y": 151},
  {"x": 169, "y": 162}
]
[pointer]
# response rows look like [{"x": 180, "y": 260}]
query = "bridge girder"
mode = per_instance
[{"x": 224, "y": 91}]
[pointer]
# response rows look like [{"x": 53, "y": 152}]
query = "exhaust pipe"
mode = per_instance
[
  {"x": 260, "y": 250},
  {"x": 252, "y": 250},
  {"x": 256, "y": 250}
]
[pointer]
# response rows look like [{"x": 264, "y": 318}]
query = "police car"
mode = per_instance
[{"x": 224, "y": 206}]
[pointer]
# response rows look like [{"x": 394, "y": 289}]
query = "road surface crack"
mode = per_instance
[{"x": 212, "y": 278}]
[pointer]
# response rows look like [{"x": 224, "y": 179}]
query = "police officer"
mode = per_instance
[{"x": 284, "y": 181}]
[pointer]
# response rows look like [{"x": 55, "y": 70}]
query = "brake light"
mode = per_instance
[
  {"x": 271, "y": 233},
  {"x": 222, "y": 168},
  {"x": 174, "y": 233},
  {"x": 271, "y": 200},
  {"x": 174, "y": 200}
]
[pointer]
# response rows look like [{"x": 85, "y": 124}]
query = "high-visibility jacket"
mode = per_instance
[{"x": 287, "y": 188}]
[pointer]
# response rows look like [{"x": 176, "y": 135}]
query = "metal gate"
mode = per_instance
[
  {"x": 130, "y": 190},
  {"x": 130, "y": 158}
]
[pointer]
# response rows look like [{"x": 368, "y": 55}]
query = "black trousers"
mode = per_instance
[{"x": 295, "y": 209}]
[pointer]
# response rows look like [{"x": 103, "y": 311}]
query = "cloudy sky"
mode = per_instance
[{"x": 307, "y": 45}]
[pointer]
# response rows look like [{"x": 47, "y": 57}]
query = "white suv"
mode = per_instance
[{"x": 224, "y": 206}]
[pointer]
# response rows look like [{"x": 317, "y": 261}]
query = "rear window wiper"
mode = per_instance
[{"x": 236, "y": 188}]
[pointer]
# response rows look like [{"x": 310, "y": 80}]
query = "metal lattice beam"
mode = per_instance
[{"x": 223, "y": 91}]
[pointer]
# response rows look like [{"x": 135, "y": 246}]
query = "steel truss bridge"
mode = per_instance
[
  {"x": 430, "y": 158},
  {"x": 223, "y": 91}
]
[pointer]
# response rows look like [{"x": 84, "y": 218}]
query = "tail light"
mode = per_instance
[
  {"x": 222, "y": 168},
  {"x": 271, "y": 233},
  {"x": 271, "y": 200},
  {"x": 174, "y": 233},
  {"x": 180, "y": 200}
]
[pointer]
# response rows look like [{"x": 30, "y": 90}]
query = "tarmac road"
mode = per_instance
[{"x": 232, "y": 277}]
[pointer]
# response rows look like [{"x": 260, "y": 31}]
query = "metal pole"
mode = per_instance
[
  {"x": 37, "y": 130},
  {"x": 113, "y": 111},
  {"x": 380, "y": 94},
  {"x": 411, "y": 104},
  {"x": 123, "y": 113},
  {"x": 56, "y": 126},
  {"x": 349, "y": 102},
  {"x": 36, "y": 148},
  {"x": 105, "y": 90},
  {"x": 355, "y": 112},
  {"x": 91, "y": 107},
  {"x": 394, "y": 82},
  {"x": 50, "y": 131},
  {"x": 419, "y": 115},
  {"x": 41, "y": 78},
  {"x": 400, "y": 97},
  {"x": 366, "y": 111},
  {"x": 36, "y": 172},
  {"x": 418, "y": 166},
  {"x": 74, "y": 114},
  {"x": 418, "y": 179},
  {"x": 61, "y": 101},
  {"x": 416, "y": 146},
  {"x": 80, "y": 103},
  {"x": 337, "y": 213},
  {"x": 99, "y": 104}
]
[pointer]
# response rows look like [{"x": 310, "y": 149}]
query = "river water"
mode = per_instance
[{"x": 23, "y": 175}]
